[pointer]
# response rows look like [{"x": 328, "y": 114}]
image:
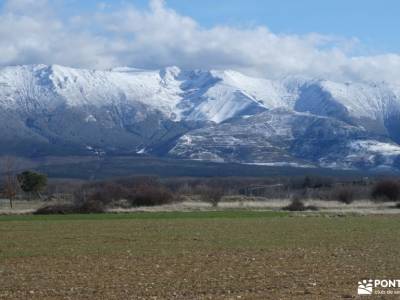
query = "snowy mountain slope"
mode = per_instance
[
  {"x": 196, "y": 95},
  {"x": 81, "y": 109},
  {"x": 376, "y": 107},
  {"x": 209, "y": 96},
  {"x": 234, "y": 94},
  {"x": 215, "y": 115},
  {"x": 56, "y": 85},
  {"x": 123, "y": 109},
  {"x": 282, "y": 135}
]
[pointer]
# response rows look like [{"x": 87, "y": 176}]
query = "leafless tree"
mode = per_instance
[{"x": 9, "y": 178}]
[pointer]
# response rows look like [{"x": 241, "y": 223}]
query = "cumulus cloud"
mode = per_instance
[{"x": 34, "y": 31}]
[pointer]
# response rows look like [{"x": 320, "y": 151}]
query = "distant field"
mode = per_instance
[
  {"x": 198, "y": 255},
  {"x": 120, "y": 166}
]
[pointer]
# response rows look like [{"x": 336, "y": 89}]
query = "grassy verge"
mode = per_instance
[{"x": 230, "y": 214}]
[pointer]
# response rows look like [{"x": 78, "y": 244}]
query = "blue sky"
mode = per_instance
[{"x": 375, "y": 23}]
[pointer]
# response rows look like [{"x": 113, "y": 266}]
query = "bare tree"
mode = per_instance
[
  {"x": 10, "y": 183},
  {"x": 211, "y": 194}
]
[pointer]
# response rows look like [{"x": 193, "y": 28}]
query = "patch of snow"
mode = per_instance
[
  {"x": 373, "y": 146},
  {"x": 141, "y": 151},
  {"x": 90, "y": 119},
  {"x": 282, "y": 164}
]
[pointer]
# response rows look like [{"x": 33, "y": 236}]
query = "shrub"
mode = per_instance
[
  {"x": 387, "y": 190},
  {"x": 140, "y": 192},
  {"x": 312, "y": 208},
  {"x": 298, "y": 205},
  {"x": 88, "y": 207},
  {"x": 106, "y": 193},
  {"x": 212, "y": 195},
  {"x": 145, "y": 195},
  {"x": 345, "y": 195},
  {"x": 56, "y": 209},
  {"x": 295, "y": 205}
]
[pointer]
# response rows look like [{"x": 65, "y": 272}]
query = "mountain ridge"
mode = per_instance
[{"x": 55, "y": 109}]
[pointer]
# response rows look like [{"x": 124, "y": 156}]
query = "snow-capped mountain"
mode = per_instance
[
  {"x": 212, "y": 115},
  {"x": 197, "y": 95},
  {"x": 285, "y": 137}
]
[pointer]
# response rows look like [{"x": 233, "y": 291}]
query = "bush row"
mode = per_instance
[{"x": 150, "y": 191}]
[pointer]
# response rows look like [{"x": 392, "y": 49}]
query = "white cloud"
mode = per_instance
[{"x": 33, "y": 31}]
